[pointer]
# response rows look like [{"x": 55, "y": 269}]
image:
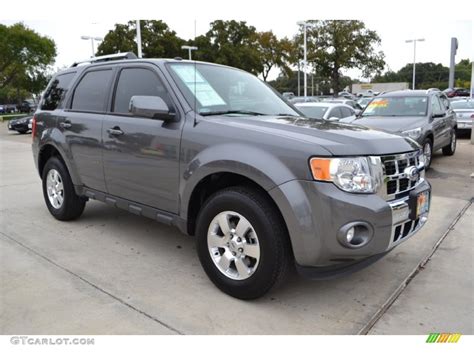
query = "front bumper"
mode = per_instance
[
  {"x": 315, "y": 212},
  {"x": 14, "y": 126}
]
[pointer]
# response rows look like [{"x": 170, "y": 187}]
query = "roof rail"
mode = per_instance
[{"x": 106, "y": 58}]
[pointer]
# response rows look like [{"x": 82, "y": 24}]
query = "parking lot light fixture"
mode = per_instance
[
  {"x": 414, "y": 56},
  {"x": 92, "y": 39},
  {"x": 305, "y": 26},
  {"x": 190, "y": 49}
]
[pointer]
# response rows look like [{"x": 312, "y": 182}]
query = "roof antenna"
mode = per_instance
[{"x": 195, "y": 118}]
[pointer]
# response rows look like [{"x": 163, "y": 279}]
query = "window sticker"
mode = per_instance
[{"x": 201, "y": 89}]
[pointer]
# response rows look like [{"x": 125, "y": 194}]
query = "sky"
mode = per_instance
[{"x": 393, "y": 30}]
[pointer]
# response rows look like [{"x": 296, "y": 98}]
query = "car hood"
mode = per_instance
[
  {"x": 391, "y": 124},
  {"x": 337, "y": 138}
]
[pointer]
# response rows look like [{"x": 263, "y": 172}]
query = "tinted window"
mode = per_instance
[
  {"x": 346, "y": 112},
  {"x": 92, "y": 91},
  {"x": 335, "y": 112},
  {"x": 135, "y": 82},
  {"x": 56, "y": 91}
]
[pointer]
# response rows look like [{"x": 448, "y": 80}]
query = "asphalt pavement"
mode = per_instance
[{"x": 111, "y": 272}]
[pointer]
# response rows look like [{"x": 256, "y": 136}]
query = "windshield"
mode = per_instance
[
  {"x": 462, "y": 104},
  {"x": 313, "y": 111},
  {"x": 214, "y": 89},
  {"x": 397, "y": 106}
]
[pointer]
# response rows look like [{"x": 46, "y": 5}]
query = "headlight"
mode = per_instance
[
  {"x": 413, "y": 133},
  {"x": 352, "y": 174}
]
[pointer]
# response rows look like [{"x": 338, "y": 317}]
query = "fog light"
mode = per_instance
[
  {"x": 355, "y": 234},
  {"x": 350, "y": 234}
]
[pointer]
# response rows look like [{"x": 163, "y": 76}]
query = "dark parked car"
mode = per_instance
[
  {"x": 21, "y": 125},
  {"x": 27, "y": 106},
  {"x": 457, "y": 92},
  {"x": 215, "y": 152},
  {"x": 423, "y": 115}
]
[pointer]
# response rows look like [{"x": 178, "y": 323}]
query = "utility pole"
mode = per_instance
[
  {"x": 92, "y": 39},
  {"x": 414, "y": 56},
  {"x": 452, "y": 64},
  {"x": 139, "y": 39}
]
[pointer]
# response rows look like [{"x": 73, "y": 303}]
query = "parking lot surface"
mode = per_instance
[{"x": 111, "y": 272}]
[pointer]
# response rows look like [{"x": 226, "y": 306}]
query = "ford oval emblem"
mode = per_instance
[{"x": 412, "y": 173}]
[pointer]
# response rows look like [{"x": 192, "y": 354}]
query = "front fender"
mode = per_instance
[{"x": 260, "y": 166}]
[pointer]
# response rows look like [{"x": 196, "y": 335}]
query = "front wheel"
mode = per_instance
[
  {"x": 427, "y": 152},
  {"x": 450, "y": 149},
  {"x": 242, "y": 242},
  {"x": 58, "y": 191}
]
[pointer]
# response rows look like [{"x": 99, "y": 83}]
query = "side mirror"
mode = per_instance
[
  {"x": 333, "y": 119},
  {"x": 152, "y": 107}
]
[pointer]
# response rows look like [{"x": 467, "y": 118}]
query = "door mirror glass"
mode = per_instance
[{"x": 150, "y": 106}]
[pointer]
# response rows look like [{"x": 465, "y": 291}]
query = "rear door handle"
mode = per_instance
[
  {"x": 115, "y": 131},
  {"x": 65, "y": 124}
]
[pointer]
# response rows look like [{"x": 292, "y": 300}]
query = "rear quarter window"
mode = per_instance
[{"x": 56, "y": 91}]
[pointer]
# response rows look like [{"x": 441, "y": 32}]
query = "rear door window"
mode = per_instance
[
  {"x": 56, "y": 91},
  {"x": 92, "y": 92},
  {"x": 346, "y": 112}
]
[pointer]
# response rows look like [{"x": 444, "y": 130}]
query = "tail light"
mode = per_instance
[{"x": 33, "y": 127}]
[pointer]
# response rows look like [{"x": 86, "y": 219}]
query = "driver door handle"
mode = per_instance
[
  {"x": 66, "y": 124},
  {"x": 115, "y": 131}
]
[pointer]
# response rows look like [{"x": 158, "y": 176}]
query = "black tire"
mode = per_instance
[
  {"x": 450, "y": 149},
  {"x": 72, "y": 205},
  {"x": 275, "y": 249},
  {"x": 428, "y": 161}
]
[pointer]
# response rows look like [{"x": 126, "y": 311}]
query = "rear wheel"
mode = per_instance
[
  {"x": 427, "y": 152},
  {"x": 242, "y": 242},
  {"x": 450, "y": 149},
  {"x": 58, "y": 191}
]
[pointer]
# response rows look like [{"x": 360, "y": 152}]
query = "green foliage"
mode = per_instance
[
  {"x": 342, "y": 44},
  {"x": 25, "y": 60},
  {"x": 274, "y": 52},
  {"x": 158, "y": 41},
  {"x": 429, "y": 75},
  {"x": 230, "y": 43}
]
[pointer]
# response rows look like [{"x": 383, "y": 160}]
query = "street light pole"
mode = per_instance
[
  {"x": 139, "y": 39},
  {"x": 305, "y": 25},
  {"x": 190, "y": 49},
  {"x": 414, "y": 56},
  {"x": 92, "y": 39}
]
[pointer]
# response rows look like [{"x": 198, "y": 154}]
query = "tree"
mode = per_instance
[
  {"x": 336, "y": 45},
  {"x": 158, "y": 41},
  {"x": 273, "y": 52},
  {"x": 25, "y": 60},
  {"x": 230, "y": 43}
]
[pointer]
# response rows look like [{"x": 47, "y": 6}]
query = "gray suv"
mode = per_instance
[
  {"x": 220, "y": 155},
  {"x": 425, "y": 116}
]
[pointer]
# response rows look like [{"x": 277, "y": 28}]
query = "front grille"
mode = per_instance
[{"x": 397, "y": 184}]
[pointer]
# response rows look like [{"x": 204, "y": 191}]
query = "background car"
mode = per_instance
[
  {"x": 423, "y": 115},
  {"x": 464, "y": 110},
  {"x": 355, "y": 106},
  {"x": 21, "y": 125},
  {"x": 455, "y": 92},
  {"x": 27, "y": 106},
  {"x": 364, "y": 101},
  {"x": 298, "y": 99},
  {"x": 326, "y": 110}
]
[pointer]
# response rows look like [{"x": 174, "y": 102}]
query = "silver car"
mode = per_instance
[
  {"x": 464, "y": 110},
  {"x": 326, "y": 110}
]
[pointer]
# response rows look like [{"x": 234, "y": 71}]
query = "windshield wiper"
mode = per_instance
[{"x": 225, "y": 112}]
